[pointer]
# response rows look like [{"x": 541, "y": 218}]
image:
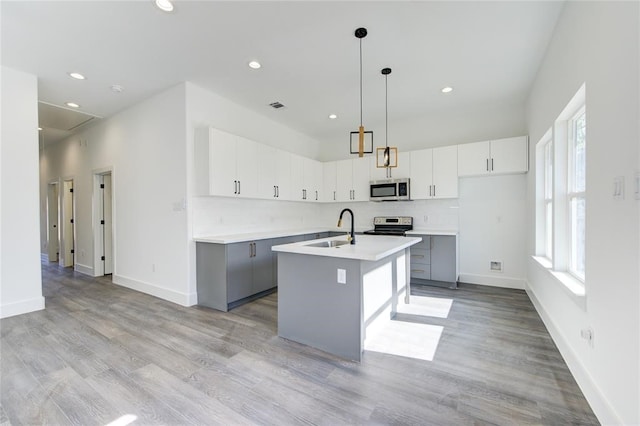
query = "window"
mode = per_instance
[
  {"x": 561, "y": 196},
  {"x": 547, "y": 165},
  {"x": 576, "y": 193}
]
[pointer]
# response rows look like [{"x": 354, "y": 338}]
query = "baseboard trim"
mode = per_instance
[
  {"x": 183, "y": 299},
  {"x": 22, "y": 307},
  {"x": 493, "y": 281},
  {"x": 600, "y": 405},
  {"x": 84, "y": 269}
]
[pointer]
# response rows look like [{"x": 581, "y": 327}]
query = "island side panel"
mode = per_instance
[
  {"x": 211, "y": 275},
  {"x": 314, "y": 309}
]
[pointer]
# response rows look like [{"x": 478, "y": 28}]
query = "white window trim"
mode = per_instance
[{"x": 572, "y": 194}]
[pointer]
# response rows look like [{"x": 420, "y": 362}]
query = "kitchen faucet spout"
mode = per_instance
[{"x": 352, "y": 237}]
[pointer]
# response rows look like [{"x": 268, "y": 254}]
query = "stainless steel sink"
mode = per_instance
[{"x": 329, "y": 244}]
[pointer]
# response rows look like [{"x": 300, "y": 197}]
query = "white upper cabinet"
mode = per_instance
[
  {"x": 274, "y": 170},
  {"x": 500, "y": 156},
  {"x": 434, "y": 173},
  {"x": 312, "y": 180},
  {"x": 225, "y": 164},
  {"x": 402, "y": 171},
  {"x": 297, "y": 177},
  {"x": 329, "y": 187},
  {"x": 352, "y": 178}
]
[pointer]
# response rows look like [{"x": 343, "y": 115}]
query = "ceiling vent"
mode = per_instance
[{"x": 276, "y": 105}]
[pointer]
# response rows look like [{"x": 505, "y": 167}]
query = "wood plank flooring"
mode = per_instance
[{"x": 100, "y": 352}]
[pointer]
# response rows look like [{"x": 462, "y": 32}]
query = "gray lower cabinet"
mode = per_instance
[
  {"x": 434, "y": 261},
  {"x": 231, "y": 274}
]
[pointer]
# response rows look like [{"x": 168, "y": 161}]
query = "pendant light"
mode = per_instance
[
  {"x": 386, "y": 157},
  {"x": 362, "y": 137}
]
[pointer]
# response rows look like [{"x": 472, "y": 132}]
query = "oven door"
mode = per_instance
[{"x": 383, "y": 191}]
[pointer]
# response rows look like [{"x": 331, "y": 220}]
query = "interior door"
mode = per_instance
[
  {"x": 107, "y": 229},
  {"x": 67, "y": 224},
  {"x": 53, "y": 200}
]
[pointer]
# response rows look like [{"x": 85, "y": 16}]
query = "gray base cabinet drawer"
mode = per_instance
[
  {"x": 434, "y": 260},
  {"x": 421, "y": 272}
]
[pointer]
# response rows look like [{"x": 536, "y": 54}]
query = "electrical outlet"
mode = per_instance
[
  {"x": 495, "y": 266},
  {"x": 342, "y": 276}
]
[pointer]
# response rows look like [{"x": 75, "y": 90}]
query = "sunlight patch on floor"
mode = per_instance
[
  {"x": 426, "y": 306},
  {"x": 407, "y": 339}
]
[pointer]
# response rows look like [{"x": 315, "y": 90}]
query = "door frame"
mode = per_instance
[{"x": 96, "y": 208}]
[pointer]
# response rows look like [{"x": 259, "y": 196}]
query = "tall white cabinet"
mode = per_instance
[
  {"x": 501, "y": 156},
  {"x": 352, "y": 178},
  {"x": 434, "y": 173}
]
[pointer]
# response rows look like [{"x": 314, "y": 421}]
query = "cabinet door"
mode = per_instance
[
  {"x": 247, "y": 167},
  {"x": 283, "y": 175},
  {"x": 509, "y": 155},
  {"x": 297, "y": 177},
  {"x": 421, "y": 174},
  {"x": 344, "y": 176},
  {"x": 312, "y": 179},
  {"x": 262, "y": 266},
  {"x": 222, "y": 163},
  {"x": 239, "y": 273},
  {"x": 267, "y": 169},
  {"x": 360, "y": 179},
  {"x": 443, "y": 258},
  {"x": 445, "y": 172},
  {"x": 329, "y": 179},
  {"x": 473, "y": 159}
]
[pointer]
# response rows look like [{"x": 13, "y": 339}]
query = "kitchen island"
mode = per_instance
[{"x": 330, "y": 292}]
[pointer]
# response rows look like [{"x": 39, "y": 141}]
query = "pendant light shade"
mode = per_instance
[
  {"x": 386, "y": 157},
  {"x": 361, "y": 141}
]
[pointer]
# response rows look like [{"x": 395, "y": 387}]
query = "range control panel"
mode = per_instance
[{"x": 393, "y": 220}]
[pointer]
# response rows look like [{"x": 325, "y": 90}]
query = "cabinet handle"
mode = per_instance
[
  {"x": 274, "y": 191},
  {"x": 250, "y": 249},
  {"x": 430, "y": 194},
  {"x": 235, "y": 186},
  {"x": 334, "y": 195},
  {"x": 492, "y": 164},
  {"x": 316, "y": 195},
  {"x": 239, "y": 187},
  {"x": 434, "y": 190},
  {"x": 487, "y": 164},
  {"x": 278, "y": 191},
  {"x": 417, "y": 270},
  {"x": 421, "y": 256}
]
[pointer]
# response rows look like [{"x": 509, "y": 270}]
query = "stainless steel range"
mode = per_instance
[{"x": 391, "y": 225}]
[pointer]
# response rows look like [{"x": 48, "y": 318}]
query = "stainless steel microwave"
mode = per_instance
[{"x": 389, "y": 190}]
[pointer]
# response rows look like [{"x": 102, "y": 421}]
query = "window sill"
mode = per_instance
[{"x": 574, "y": 288}]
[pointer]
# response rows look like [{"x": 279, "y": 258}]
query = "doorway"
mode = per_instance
[
  {"x": 103, "y": 226},
  {"x": 67, "y": 230},
  {"x": 53, "y": 236}
]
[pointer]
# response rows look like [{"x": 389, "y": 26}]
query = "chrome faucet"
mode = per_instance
[{"x": 352, "y": 237}]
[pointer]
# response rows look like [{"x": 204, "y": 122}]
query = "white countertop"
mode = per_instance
[
  {"x": 367, "y": 247},
  {"x": 432, "y": 232},
  {"x": 252, "y": 236}
]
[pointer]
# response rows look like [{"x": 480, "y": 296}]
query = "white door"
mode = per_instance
[
  {"x": 297, "y": 177},
  {"x": 247, "y": 167},
  {"x": 360, "y": 179},
  {"x": 344, "y": 180},
  {"x": 67, "y": 224},
  {"x": 421, "y": 174},
  {"x": 222, "y": 163},
  {"x": 283, "y": 175},
  {"x": 509, "y": 155},
  {"x": 53, "y": 200},
  {"x": 473, "y": 159},
  {"x": 107, "y": 228},
  {"x": 329, "y": 181},
  {"x": 445, "y": 172}
]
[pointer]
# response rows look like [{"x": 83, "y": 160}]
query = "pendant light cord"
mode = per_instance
[
  {"x": 360, "y": 82},
  {"x": 386, "y": 113}
]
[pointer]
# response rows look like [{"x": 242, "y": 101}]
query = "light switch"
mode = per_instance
[
  {"x": 618, "y": 187},
  {"x": 342, "y": 276}
]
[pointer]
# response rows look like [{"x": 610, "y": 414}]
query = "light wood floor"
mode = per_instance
[{"x": 99, "y": 352}]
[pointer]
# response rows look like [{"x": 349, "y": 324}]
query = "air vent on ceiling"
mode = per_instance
[{"x": 276, "y": 105}]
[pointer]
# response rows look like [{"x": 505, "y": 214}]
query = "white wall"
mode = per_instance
[
  {"x": 144, "y": 146},
  {"x": 20, "y": 272},
  {"x": 440, "y": 128},
  {"x": 597, "y": 43}
]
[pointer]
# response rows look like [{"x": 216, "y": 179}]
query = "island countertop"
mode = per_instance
[{"x": 367, "y": 247}]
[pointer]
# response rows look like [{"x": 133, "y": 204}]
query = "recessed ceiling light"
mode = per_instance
[
  {"x": 447, "y": 89},
  {"x": 72, "y": 105},
  {"x": 76, "y": 75},
  {"x": 255, "y": 65},
  {"x": 165, "y": 5},
  {"x": 333, "y": 116}
]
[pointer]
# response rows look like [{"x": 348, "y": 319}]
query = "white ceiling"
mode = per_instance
[{"x": 488, "y": 51}]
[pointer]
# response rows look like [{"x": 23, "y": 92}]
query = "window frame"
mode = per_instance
[{"x": 575, "y": 195}]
